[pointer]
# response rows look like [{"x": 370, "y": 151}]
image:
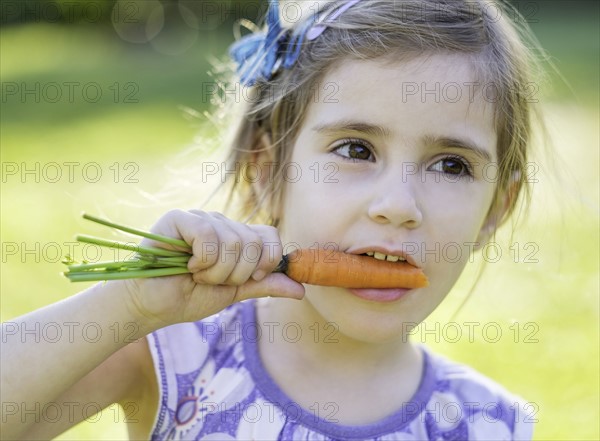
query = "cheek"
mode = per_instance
[
  {"x": 307, "y": 214},
  {"x": 317, "y": 208},
  {"x": 458, "y": 209},
  {"x": 453, "y": 222}
]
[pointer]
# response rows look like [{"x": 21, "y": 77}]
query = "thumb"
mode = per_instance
[{"x": 273, "y": 285}]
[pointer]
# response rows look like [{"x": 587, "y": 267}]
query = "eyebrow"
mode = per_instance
[
  {"x": 383, "y": 132},
  {"x": 353, "y": 126},
  {"x": 460, "y": 144}
]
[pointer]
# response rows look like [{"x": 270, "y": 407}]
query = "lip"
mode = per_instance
[
  {"x": 383, "y": 250},
  {"x": 380, "y": 295}
]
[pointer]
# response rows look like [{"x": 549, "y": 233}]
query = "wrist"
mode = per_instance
[{"x": 125, "y": 295}]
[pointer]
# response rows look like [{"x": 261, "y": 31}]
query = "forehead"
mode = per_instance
[{"x": 438, "y": 95}]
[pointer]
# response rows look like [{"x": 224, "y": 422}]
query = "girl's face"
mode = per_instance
[{"x": 395, "y": 158}]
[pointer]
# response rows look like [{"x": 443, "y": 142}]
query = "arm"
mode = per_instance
[
  {"x": 89, "y": 367},
  {"x": 96, "y": 366},
  {"x": 127, "y": 377}
]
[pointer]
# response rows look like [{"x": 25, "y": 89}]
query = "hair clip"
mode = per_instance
[
  {"x": 260, "y": 55},
  {"x": 321, "y": 25},
  {"x": 256, "y": 54}
]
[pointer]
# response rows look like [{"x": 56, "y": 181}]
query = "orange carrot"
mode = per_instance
[{"x": 334, "y": 268}]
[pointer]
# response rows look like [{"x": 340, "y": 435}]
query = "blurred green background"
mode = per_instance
[{"x": 111, "y": 109}]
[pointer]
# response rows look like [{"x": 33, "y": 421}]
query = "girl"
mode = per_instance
[{"x": 372, "y": 129}]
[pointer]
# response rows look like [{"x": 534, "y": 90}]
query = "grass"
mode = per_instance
[{"x": 547, "y": 310}]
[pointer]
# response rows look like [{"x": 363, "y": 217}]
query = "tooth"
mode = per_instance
[
  {"x": 370, "y": 253},
  {"x": 402, "y": 259},
  {"x": 392, "y": 258},
  {"x": 379, "y": 256}
]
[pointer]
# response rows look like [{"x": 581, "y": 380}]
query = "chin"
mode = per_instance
[
  {"x": 366, "y": 321},
  {"x": 373, "y": 334}
]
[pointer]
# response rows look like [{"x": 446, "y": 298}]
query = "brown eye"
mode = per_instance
[
  {"x": 355, "y": 151},
  {"x": 358, "y": 151},
  {"x": 452, "y": 166}
]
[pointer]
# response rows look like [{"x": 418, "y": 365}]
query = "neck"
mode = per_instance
[
  {"x": 296, "y": 329},
  {"x": 326, "y": 367}
]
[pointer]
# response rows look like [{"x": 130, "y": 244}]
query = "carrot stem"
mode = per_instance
[
  {"x": 137, "y": 232},
  {"x": 124, "y": 264},
  {"x": 97, "y": 276},
  {"x": 127, "y": 246}
]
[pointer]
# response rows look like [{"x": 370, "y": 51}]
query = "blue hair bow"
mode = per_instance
[{"x": 260, "y": 55}]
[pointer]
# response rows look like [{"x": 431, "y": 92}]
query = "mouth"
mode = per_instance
[
  {"x": 383, "y": 254},
  {"x": 391, "y": 258},
  {"x": 386, "y": 295},
  {"x": 394, "y": 256}
]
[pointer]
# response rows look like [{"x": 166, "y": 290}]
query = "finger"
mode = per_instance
[
  {"x": 273, "y": 285},
  {"x": 271, "y": 252},
  {"x": 250, "y": 252},
  {"x": 227, "y": 253},
  {"x": 196, "y": 229},
  {"x": 165, "y": 226},
  {"x": 192, "y": 229},
  {"x": 206, "y": 237}
]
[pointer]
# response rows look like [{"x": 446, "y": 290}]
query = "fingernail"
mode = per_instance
[{"x": 258, "y": 275}]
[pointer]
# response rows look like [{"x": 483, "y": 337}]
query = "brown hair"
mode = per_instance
[{"x": 374, "y": 29}]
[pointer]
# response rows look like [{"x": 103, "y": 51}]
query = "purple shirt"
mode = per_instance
[{"x": 213, "y": 386}]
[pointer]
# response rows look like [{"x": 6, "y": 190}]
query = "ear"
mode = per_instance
[
  {"x": 489, "y": 227},
  {"x": 260, "y": 171},
  {"x": 263, "y": 157},
  {"x": 497, "y": 213}
]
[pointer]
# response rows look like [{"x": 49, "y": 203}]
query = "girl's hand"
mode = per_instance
[{"x": 231, "y": 262}]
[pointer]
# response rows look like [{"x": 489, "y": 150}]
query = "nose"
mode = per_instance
[{"x": 396, "y": 204}]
